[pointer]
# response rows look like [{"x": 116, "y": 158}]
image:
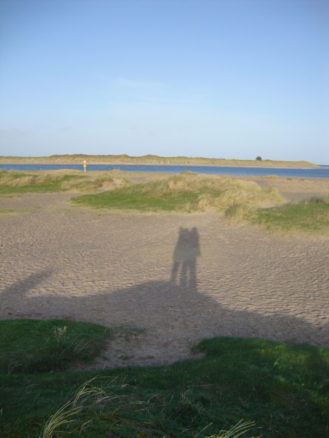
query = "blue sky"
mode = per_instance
[{"x": 213, "y": 78}]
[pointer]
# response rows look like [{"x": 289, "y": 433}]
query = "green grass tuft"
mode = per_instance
[
  {"x": 309, "y": 216},
  {"x": 33, "y": 346}
]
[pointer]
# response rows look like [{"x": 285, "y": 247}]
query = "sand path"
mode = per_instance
[{"x": 59, "y": 261}]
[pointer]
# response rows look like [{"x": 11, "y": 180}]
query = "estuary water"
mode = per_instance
[{"x": 319, "y": 172}]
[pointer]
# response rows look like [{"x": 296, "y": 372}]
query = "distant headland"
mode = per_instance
[{"x": 151, "y": 159}]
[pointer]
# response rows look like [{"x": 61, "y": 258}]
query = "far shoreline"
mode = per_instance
[{"x": 150, "y": 160}]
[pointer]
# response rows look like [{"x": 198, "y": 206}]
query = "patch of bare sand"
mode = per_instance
[{"x": 115, "y": 270}]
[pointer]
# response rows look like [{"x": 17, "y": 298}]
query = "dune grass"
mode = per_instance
[
  {"x": 308, "y": 217},
  {"x": 143, "y": 198},
  {"x": 33, "y": 346},
  {"x": 283, "y": 389},
  {"x": 88, "y": 395},
  {"x": 56, "y": 181},
  {"x": 236, "y": 199},
  {"x": 186, "y": 192},
  {"x": 21, "y": 182}
]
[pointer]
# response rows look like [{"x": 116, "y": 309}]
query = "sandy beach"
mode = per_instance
[{"x": 115, "y": 269}]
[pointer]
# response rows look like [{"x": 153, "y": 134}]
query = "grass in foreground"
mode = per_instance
[
  {"x": 283, "y": 389},
  {"x": 33, "y": 346},
  {"x": 310, "y": 217}
]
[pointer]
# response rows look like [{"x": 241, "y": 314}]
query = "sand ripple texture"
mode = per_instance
[{"x": 115, "y": 269}]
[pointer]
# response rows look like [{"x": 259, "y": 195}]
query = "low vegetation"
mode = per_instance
[
  {"x": 24, "y": 210},
  {"x": 308, "y": 217},
  {"x": 28, "y": 346},
  {"x": 186, "y": 192},
  {"x": 56, "y": 181},
  {"x": 249, "y": 387},
  {"x": 236, "y": 199}
]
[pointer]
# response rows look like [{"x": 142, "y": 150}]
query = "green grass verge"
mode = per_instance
[
  {"x": 311, "y": 216},
  {"x": 33, "y": 346},
  {"x": 283, "y": 389}
]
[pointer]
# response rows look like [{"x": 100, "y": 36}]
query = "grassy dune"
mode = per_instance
[
  {"x": 185, "y": 193},
  {"x": 308, "y": 216},
  {"x": 234, "y": 198},
  {"x": 57, "y": 181},
  {"x": 282, "y": 389},
  {"x": 151, "y": 159}
]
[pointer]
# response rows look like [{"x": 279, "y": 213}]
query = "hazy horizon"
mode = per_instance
[{"x": 152, "y": 155}]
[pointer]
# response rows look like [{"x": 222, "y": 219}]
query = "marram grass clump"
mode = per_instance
[
  {"x": 57, "y": 181},
  {"x": 185, "y": 193},
  {"x": 75, "y": 417}
]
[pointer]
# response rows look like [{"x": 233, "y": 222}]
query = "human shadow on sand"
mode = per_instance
[
  {"x": 172, "y": 316},
  {"x": 185, "y": 255}
]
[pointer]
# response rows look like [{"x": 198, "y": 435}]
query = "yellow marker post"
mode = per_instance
[{"x": 84, "y": 165}]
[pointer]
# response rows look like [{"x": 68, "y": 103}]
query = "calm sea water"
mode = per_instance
[{"x": 320, "y": 172}]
